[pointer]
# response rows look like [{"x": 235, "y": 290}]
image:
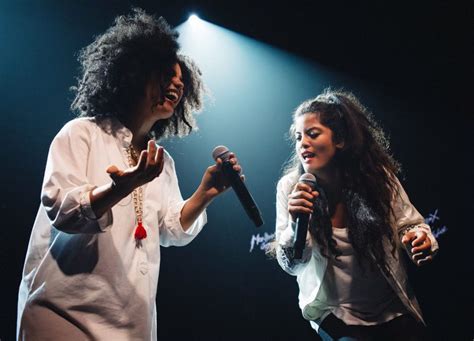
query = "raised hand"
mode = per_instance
[
  {"x": 301, "y": 200},
  {"x": 148, "y": 166},
  {"x": 214, "y": 180}
]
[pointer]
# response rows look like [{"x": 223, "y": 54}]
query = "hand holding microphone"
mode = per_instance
[
  {"x": 234, "y": 178},
  {"x": 300, "y": 206}
]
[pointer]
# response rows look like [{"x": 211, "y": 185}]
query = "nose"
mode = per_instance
[
  {"x": 304, "y": 142},
  {"x": 177, "y": 82}
]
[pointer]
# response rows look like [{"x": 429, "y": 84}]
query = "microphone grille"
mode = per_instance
[
  {"x": 308, "y": 179},
  {"x": 220, "y": 151}
]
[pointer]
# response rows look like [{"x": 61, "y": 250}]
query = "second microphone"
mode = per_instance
[{"x": 238, "y": 185}]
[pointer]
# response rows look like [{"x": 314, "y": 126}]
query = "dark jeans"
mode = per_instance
[{"x": 402, "y": 328}]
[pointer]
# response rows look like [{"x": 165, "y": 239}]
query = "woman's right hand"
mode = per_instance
[
  {"x": 301, "y": 200},
  {"x": 149, "y": 166}
]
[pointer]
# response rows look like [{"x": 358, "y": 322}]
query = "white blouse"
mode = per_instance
[
  {"x": 311, "y": 269},
  {"x": 85, "y": 277},
  {"x": 356, "y": 295}
]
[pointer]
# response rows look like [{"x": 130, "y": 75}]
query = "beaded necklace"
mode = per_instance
[{"x": 137, "y": 196}]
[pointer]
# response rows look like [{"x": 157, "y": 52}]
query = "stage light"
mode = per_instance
[{"x": 193, "y": 18}]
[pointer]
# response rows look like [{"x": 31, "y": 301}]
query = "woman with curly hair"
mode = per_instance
[
  {"x": 352, "y": 281},
  {"x": 110, "y": 194}
]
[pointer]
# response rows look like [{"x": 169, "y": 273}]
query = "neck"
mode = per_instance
[
  {"x": 140, "y": 128},
  {"x": 330, "y": 180}
]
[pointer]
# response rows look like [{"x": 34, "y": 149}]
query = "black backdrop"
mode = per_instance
[{"x": 407, "y": 61}]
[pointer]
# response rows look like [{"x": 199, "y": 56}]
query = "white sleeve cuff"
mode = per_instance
[
  {"x": 288, "y": 234},
  {"x": 104, "y": 222},
  {"x": 173, "y": 220}
]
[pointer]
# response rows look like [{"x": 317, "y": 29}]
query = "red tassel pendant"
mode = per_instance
[{"x": 140, "y": 232}]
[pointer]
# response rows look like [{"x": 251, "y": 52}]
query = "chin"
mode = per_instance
[
  {"x": 169, "y": 115},
  {"x": 313, "y": 169},
  {"x": 164, "y": 115},
  {"x": 308, "y": 168}
]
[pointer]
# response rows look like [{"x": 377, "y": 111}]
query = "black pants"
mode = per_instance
[{"x": 402, "y": 328}]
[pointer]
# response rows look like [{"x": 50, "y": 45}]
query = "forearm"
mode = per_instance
[
  {"x": 103, "y": 198},
  {"x": 194, "y": 206}
]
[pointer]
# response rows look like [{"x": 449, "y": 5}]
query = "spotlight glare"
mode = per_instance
[{"x": 193, "y": 18}]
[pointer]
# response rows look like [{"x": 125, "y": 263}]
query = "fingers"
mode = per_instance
[
  {"x": 418, "y": 240},
  {"x": 295, "y": 209},
  {"x": 235, "y": 163},
  {"x": 112, "y": 169},
  {"x": 114, "y": 173},
  {"x": 153, "y": 159},
  {"x": 420, "y": 246},
  {"x": 423, "y": 261},
  {"x": 151, "y": 149},
  {"x": 414, "y": 237},
  {"x": 421, "y": 258},
  {"x": 142, "y": 160},
  {"x": 150, "y": 163},
  {"x": 300, "y": 202},
  {"x": 300, "y": 186},
  {"x": 232, "y": 159},
  {"x": 302, "y": 194},
  {"x": 425, "y": 245},
  {"x": 237, "y": 168},
  {"x": 219, "y": 164},
  {"x": 420, "y": 237},
  {"x": 406, "y": 238}
]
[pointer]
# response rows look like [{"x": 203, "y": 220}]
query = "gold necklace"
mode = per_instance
[{"x": 137, "y": 196}]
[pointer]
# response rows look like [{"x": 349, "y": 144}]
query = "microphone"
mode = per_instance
[
  {"x": 238, "y": 185},
  {"x": 302, "y": 220}
]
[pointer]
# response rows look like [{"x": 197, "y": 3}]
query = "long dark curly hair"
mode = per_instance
[
  {"x": 368, "y": 173},
  {"x": 117, "y": 65}
]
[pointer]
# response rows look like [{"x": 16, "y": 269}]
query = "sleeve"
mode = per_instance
[
  {"x": 171, "y": 231},
  {"x": 284, "y": 233},
  {"x": 407, "y": 218},
  {"x": 66, "y": 190}
]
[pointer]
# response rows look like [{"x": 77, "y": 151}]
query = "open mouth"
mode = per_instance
[
  {"x": 307, "y": 155},
  {"x": 172, "y": 95}
]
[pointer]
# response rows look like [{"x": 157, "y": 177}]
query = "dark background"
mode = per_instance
[{"x": 411, "y": 63}]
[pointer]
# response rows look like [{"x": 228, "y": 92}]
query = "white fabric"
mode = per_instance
[
  {"x": 310, "y": 270},
  {"x": 356, "y": 295},
  {"x": 88, "y": 273}
]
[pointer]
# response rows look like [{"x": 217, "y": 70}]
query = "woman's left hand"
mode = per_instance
[
  {"x": 214, "y": 181},
  {"x": 420, "y": 245}
]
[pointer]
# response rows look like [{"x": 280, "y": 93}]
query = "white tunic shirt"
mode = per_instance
[{"x": 85, "y": 278}]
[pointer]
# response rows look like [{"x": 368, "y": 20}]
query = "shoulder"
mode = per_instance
[
  {"x": 78, "y": 126},
  {"x": 166, "y": 155},
  {"x": 168, "y": 158},
  {"x": 169, "y": 164}
]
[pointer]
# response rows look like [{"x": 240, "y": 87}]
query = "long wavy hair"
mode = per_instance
[
  {"x": 117, "y": 65},
  {"x": 368, "y": 174}
]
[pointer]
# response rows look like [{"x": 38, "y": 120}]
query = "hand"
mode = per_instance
[
  {"x": 214, "y": 181},
  {"x": 420, "y": 244},
  {"x": 301, "y": 200},
  {"x": 149, "y": 166}
]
